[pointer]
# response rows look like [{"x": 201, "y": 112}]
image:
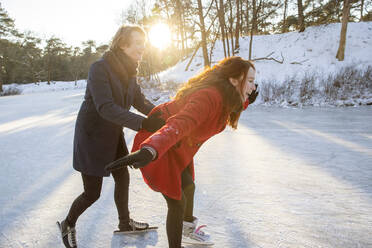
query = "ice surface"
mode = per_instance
[{"x": 288, "y": 177}]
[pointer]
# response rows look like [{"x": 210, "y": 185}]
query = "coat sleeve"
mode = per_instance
[
  {"x": 140, "y": 102},
  {"x": 198, "y": 109},
  {"x": 99, "y": 87}
]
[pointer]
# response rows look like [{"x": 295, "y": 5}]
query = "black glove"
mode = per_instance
[
  {"x": 136, "y": 159},
  {"x": 153, "y": 123},
  {"x": 252, "y": 97}
]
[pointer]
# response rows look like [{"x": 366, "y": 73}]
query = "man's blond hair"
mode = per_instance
[{"x": 122, "y": 36}]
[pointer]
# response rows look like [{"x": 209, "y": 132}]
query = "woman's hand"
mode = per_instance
[
  {"x": 252, "y": 97},
  {"x": 136, "y": 159}
]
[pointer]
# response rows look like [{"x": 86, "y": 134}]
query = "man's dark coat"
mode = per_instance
[{"x": 102, "y": 116}]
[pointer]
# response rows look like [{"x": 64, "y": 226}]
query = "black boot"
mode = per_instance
[
  {"x": 133, "y": 225},
  {"x": 68, "y": 234}
]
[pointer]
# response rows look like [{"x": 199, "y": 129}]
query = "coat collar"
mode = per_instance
[{"x": 122, "y": 65}]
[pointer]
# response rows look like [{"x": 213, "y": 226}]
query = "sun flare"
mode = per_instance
[{"x": 160, "y": 35}]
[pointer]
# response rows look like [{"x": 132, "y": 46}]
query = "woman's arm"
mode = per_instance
[{"x": 199, "y": 108}]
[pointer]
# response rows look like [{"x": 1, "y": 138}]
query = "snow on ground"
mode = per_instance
[
  {"x": 288, "y": 177},
  {"x": 45, "y": 87},
  {"x": 315, "y": 49}
]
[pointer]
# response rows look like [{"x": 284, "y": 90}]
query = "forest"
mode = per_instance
[{"x": 194, "y": 24}]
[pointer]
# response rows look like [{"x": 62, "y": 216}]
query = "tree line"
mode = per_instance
[
  {"x": 26, "y": 58},
  {"x": 195, "y": 24},
  {"x": 201, "y": 23}
]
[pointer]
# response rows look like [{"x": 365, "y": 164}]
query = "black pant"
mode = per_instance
[
  {"x": 180, "y": 210},
  {"x": 92, "y": 191}
]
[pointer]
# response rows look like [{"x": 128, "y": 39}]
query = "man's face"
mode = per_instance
[{"x": 136, "y": 46}]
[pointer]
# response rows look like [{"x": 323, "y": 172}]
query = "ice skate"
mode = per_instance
[
  {"x": 68, "y": 234},
  {"x": 193, "y": 235},
  {"x": 135, "y": 227}
]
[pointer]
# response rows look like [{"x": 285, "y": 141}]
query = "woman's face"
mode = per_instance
[
  {"x": 248, "y": 85},
  {"x": 136, "y": 46}
]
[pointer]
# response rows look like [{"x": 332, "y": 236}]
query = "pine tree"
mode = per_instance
[{"x": 7, "y": 28}]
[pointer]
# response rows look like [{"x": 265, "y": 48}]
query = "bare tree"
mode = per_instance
[
  {"x": 237, "y": 26},
  {"x": 301, "y": 21},
  {"x": 203, "y": 34},
  {"x": 180, "y": 25},
  {"x": 221, "y": 18},
  {"x": 285, "y": 16},
  {"x": 247, "y": 17},
  {"x": 345, "y": 18},
  {"x": 231, "y": 27},
  {"x": 361, "y": 10},
  {"x": 254, "y": 26}
]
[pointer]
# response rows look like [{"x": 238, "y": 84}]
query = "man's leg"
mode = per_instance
[
  {"x": 121, "y": 195},
  {"x": 121, "y": 191},
  {"x": 92, "y": 191}
]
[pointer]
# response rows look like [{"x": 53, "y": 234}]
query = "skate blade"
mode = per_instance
[
  {"x": 188, "y": 241},
  {"x": 149, "y": 229}
]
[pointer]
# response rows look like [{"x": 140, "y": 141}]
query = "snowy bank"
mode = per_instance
[{"x": 311, "y": 54}]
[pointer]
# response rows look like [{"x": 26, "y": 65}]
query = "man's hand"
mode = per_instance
[
  {"x": 153, "y": 123},
  {"x": 136, "y": 159},
  {"x": 252, "y": 97}
]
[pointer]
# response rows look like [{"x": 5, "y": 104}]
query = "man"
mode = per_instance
[{"x": 111, "y": 91}]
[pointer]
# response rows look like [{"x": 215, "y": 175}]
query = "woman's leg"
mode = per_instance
[
  {"x": 188, "y": 188},
  {"x": 174, "y": 221},
  {"x": 180, "y": 210},
  {"x": 190, "y": 222},
  {"x": 92, "y": 191}
]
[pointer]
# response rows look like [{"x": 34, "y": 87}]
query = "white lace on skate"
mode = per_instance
[
  {"x": 70, "y": 232},
  {"x": 197, "y": 237},
  {"x": 71, "y": 236},
  {"x": 198, "y": 234}
]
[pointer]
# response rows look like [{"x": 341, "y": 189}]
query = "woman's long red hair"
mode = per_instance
[{"x": 218, "y": 76}]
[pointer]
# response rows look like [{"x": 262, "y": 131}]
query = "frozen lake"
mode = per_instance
[{"x": 288, "y": 177}]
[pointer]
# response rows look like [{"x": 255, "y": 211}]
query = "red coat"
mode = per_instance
[{"x": 189, "y": 123}]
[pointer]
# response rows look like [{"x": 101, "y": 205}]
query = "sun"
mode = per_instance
[{"x": 160, "y": 35}]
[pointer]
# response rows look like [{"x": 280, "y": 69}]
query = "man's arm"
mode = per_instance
[{"x": 100, "y": 89}]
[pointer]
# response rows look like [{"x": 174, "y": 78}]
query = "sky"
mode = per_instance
[{"x": 73, "y": 21}]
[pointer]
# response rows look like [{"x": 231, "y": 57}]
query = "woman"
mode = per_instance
[
  {"x": 111, "y": 91},
  {"x": 202, "y": 108}
]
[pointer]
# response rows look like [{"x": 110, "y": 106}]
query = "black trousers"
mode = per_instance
[
  {"x": 180, "y": 210},
  {"x": 92, "y": 192}
]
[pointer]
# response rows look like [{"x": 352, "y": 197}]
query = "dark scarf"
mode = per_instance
[{"x": 122, "y": 65}]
